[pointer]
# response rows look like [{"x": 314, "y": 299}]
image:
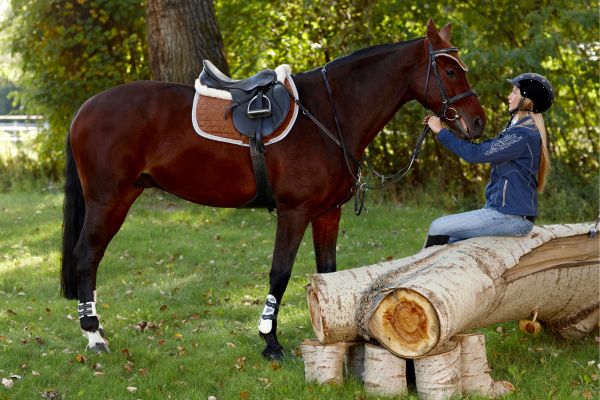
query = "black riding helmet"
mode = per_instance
[{"x": 535, "y": 87}]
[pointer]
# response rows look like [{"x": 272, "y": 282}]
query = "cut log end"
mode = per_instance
[
  {"x": 315, "y": 313},
  {"x": 406, "y": 323}
]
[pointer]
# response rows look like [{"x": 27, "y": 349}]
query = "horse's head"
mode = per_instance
[{"x": 440, "y": 83}]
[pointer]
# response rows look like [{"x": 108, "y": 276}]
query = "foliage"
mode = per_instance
[
  {"x": 70, "y": 50},
  {"x": 498, "y": 40},
  {"x": 198, "y": 277}
]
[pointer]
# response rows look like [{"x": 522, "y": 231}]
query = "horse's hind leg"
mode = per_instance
[
  {"x": 325, "y": 232},
  {"x": 102, "y": 221}
]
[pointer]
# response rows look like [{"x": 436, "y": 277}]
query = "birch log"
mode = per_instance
[
  {"x": 384, "y": 372},
  {"x": 475, "y": 371},
  {"x": 333, "y": 298},
  {"x": 555, "y": 271},
  {"x": 438, "y": 376},
  {"x": 323, "y": 363}
]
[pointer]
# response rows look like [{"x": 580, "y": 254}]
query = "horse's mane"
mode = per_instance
[{"x": 368, "y": 53}]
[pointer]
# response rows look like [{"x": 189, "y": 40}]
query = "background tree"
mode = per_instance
[
  {"x": 181, "y": 33},
  {"x": 68, "y": 51}
]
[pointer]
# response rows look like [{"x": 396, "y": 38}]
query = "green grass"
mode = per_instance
[{"x": 200, "y": 275}]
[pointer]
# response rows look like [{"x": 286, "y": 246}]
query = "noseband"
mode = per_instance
[{"x": 446, "y": 102}]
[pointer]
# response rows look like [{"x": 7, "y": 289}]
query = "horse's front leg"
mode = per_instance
[
  {"x": 290, "y": 229},
  {"x": 325, "y": 232}
]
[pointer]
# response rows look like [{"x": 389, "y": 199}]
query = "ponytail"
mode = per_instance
[{"x": 538, "y": 119}]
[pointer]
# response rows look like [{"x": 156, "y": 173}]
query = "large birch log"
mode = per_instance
[
  {"x": 443, "y": 290},
  {"x": 555, "y": 271},
  {"x": 333, "y": 298}
]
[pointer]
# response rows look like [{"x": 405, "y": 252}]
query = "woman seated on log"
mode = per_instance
[{"x": 519, "y": 161}]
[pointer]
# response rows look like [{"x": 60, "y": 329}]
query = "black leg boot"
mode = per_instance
[{"x": 434, "y": 240}]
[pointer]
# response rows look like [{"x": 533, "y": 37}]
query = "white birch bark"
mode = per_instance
[
  {"x": 554, "y": 271},
  {"x": 323, "y": 363},
  {"x": 384, "y": 372},
  {"x": 438, "y": 376}
]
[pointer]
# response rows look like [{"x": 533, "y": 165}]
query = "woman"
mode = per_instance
[{"x": 520, "y": 164}]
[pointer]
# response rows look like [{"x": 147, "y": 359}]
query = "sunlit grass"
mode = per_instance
[{"x": 198, "y": 276}]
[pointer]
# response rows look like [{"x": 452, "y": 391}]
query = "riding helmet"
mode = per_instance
[{"x": 535, "y": 87}]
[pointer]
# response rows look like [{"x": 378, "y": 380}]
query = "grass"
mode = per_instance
[{"x": 198, "y": 277}]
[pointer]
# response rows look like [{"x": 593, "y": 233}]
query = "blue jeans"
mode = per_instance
[{"x": 482, "y": 222}]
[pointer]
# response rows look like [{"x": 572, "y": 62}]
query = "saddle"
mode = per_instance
[
  {"x": 260, "y": 104},
  {"x": 259, "y": 107}
]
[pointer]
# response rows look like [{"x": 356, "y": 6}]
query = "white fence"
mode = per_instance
[{"x": 17, "y": 133}]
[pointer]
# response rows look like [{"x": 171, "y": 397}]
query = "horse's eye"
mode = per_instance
[{"x": 450, "y": 72}]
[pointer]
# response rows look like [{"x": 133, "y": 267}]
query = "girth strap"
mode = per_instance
[{"x": 264, "y": 197}]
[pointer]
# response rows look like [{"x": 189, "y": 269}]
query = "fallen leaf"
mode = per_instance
[
  {"x": 587, "y": 395},
  {"x": 126, "y": 352},
  {"x": 80, "y": 358},
  {"x": 275, "y": 365},
  {"x": 50, "y": 394},
  {"x": 244, "y": 394},
  {"x": 128, "y": 366},
  {"x": 231, "y": 345},
  {"x": 265, "y": 382},
  {"x": 131, "y": 389}
]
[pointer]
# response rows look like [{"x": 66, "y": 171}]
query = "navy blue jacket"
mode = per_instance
[{"x": 515, "y": 158}]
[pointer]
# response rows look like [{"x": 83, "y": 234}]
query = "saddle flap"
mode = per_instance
[{"x": 277, "y": 97}]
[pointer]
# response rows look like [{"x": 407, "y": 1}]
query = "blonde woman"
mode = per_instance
[{"x": 520, "y": 164}]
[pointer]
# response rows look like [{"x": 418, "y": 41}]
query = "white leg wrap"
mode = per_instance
[{"x": 265, "y": 323}]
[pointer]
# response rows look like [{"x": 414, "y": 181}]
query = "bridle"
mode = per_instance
[
  {"x": 446, "y": 102},
  {"x": 360, "y": 188}
]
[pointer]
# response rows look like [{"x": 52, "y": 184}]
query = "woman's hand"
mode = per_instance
[{"x": 435, "y": 124}]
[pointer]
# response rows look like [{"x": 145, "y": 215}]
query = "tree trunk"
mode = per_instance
[
  {"x": 414, "y": 305},
  {"x": 475, "y": 371},
  {"x": 324, "y": 363},
  {"x": 333, "y": 298},
  {"x": 384, "y": 372},
  {"x": 479, "y": 282},
  {"x": 439, "y": 376},
  {"x": 181, "y": 33}
]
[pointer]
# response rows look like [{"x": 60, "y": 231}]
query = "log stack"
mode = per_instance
[{"x": 418, "y": 306}]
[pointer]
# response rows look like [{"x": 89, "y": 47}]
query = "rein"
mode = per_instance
[{"x": 360, "y": 188}]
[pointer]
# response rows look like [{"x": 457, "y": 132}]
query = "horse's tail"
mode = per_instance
[{"x": 73, "y": 217}]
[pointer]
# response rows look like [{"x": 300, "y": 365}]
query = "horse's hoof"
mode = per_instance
[
  {"x": 273, "y": 353},
  {"x": 99, "y": 348}
]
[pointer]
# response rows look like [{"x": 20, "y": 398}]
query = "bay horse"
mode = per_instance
[{"x": 140, "y": 135}]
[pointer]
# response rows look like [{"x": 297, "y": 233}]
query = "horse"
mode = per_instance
[{"x": 139, "y": 135}]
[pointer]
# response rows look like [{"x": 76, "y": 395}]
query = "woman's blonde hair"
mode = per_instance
[{"x": 538, "y": 119}]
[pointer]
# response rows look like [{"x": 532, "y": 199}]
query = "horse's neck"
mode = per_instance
[{"x": 368, "y": 92}]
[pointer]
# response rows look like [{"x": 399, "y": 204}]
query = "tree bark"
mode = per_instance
[
  {"x": 333, "y": 298},
  {"x": 324, "y": 363},
  {"x": 384, "y": 372},
  {"x": 181, "y": 33},
  {"x": 414, "y": 305},
  {"x": 476, "y": 283},
  {"x": 439, "y": 376}
]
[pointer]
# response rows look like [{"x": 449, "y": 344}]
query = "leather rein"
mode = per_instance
[{"x": 360, "y": 188}]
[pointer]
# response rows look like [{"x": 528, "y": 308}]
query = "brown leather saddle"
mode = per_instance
[{"x": 260, "y": 107}]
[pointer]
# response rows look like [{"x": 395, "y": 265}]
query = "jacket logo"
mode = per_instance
[{"x": 503, "y": 143}]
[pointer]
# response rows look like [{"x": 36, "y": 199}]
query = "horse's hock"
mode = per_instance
[{"x": 417, "y": 307}]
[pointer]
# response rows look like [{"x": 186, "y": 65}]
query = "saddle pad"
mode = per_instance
[{"x": 212, "y": 118}]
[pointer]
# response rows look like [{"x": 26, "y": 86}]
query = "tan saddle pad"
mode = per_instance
[{"x": 211, "y": 113}]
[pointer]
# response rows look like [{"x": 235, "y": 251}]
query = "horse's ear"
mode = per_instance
[
  {"x": 446, "y": 32},
  {"x": 432, "y": 33}
]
